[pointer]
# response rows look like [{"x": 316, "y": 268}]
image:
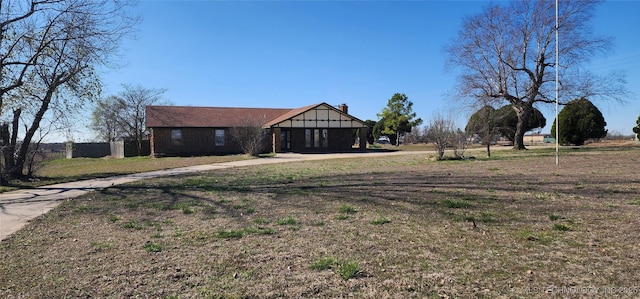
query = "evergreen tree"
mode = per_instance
[
  {"x": 398, "y": 117},
  {"x": 507, "y": 121},
  {"x": 579, "y": 121},
  {"x": 636, "y": 129},
  {"x": 488, "y": 121}
]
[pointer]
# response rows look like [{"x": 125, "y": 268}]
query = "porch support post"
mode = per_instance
[
  {"x": 276, "y": 142},
  {"x": 152, "y": 143},
  {"x": 363, "y": 138}
]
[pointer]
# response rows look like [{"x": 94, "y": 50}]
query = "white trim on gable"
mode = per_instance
[{"x": 321, "y": 116}]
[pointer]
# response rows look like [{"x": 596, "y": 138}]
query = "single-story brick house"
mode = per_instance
[{"x": 190, "y": 131}]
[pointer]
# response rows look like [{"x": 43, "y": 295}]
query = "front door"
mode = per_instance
[{"x": 285, "y": 140}]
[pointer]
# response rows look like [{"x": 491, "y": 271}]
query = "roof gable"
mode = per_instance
[{"x": 320, "y": 115}]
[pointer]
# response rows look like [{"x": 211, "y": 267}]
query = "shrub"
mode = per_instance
[
  {"x": 349, "y": 270},
  {"x": 561, "y": 227},
  {"x": 347, "y": 209},
  {"x": 324, "y": 263},
  {"x": 133, "y": 225},
  {"x": 554, "y": 217},
  {"x": 579, "y": 121},
  {"x": 288, "y": 221},
  {"x": 456, "y": 204},
  {"x": 342, "y": 217},
  {"x": 439, "y": 133},
  {"x": 261, "y": 220},
  {"x": 152, "y": 247},
  {"x": 381, "y": 221}
]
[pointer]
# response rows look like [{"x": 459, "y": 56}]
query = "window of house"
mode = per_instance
[
  {"x": 219, "y": 138},
  {"x": 176, "y": 137},
  {"x": 285, "y": 140},
  {"x": 324, "y": 139},
  {"x": 307, "y": 138},
  {"x": 316, "y": 138}
]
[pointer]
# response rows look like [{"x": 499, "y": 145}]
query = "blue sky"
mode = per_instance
[{"x": 287, "y": 54}]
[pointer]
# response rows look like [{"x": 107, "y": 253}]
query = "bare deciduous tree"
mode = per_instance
[
  {"x": 507, "y": 54},
  {"x": 49, "y": 52},
  {"x": 411, "y": 137},
  {"x": 440, "y": 133},
  {"x": 484, "y": 123},
  {"x": 417, "y": 135},
  {"x": 124, "y": 115},
  {"x": 459, "y": 142},
  {"x": 249, "y": 135},
  {"x": 105, "y": 119}
]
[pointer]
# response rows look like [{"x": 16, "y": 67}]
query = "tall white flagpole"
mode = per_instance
[{"x": 557, "y": 87}]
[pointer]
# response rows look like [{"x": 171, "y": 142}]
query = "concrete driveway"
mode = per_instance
[{"x": 18, "y": 207}]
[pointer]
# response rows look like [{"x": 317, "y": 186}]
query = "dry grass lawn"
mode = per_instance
[
  {"x": 69, "y": 170},
  {"x": 513, "y": 226}
]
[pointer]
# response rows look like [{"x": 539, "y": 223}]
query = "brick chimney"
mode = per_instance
[{"x": 344, "y": 108}]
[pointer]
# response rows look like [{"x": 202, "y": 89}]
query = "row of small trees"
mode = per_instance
[
  {"x": 398, "y": 120},
  {"x": 579, "y": 121},
  {"x": 506, "y": 54}
]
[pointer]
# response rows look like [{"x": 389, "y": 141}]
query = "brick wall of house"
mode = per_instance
[
  {"x": 195, "y": 142},
  {"x": 342, "y": 141},
  {"x": 201, "y": 141},
  {"x": 297, "y": 141}
]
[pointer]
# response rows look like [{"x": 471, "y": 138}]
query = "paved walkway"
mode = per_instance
[{"x": 18, "y": 207}]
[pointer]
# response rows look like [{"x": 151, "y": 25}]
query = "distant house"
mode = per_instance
[
  {"x": 539, "y": 138},
  {"x": 191, "y": 131}
]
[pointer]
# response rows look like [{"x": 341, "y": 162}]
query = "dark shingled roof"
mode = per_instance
[{"x": 203, "y": 117}]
